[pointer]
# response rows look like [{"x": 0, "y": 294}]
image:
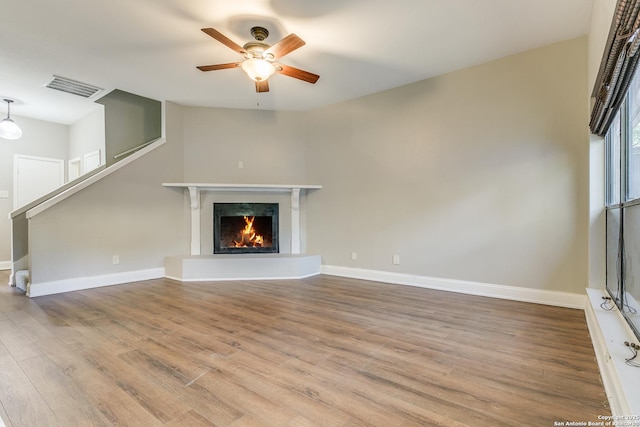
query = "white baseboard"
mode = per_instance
[
  {"x": 555, "y": 298},
  {"x": 79, "y": 283},
  {"x": 5, "y": 265},
  {"x": 538, "y": 296}
]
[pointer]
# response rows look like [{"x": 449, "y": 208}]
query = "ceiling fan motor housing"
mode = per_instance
[
  {"x": 256, "y": 49},
  {"x": 259, "y": 33}
]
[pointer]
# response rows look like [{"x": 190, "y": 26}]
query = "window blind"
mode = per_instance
[{"x": 619, "y": 62}]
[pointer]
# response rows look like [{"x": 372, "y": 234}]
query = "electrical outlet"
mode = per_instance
[
  {"x": 240, "y": 164},
  {"x": 115, "y": 259},
  {"x": 354, "y": 256},
  {"x": 396, "y": 259}
]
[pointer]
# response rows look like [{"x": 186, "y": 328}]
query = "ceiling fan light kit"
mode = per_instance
[
  {"x": 8, "y": 128},
  {"x": 258, "y": 69},
  {"x": 260, "y": 57}
]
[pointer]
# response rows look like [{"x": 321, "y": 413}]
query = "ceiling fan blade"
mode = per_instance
[
  {"x": 218, "y": 66},
  {"x": 224, "y": 40},
  {"x": 285, "y": 46},
  {"x": 297, "y": 73},
  {"x": 262, "y": 86}
]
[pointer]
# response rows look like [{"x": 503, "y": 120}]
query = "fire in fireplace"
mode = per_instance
[{"x": 245, "y": 228}]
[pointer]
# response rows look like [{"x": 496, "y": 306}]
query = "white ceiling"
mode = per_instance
[{"x": 152, "y": 47}]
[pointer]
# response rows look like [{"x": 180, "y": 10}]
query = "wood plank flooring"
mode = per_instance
[{"x": 322, "y": 351}]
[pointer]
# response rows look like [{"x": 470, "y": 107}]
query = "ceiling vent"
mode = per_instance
[{"x": 64, "y": 84}]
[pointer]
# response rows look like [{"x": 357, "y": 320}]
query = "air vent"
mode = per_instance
[{"x": 64, "y": 84}]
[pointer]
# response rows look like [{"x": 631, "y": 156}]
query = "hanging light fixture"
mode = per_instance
[
  {"x": 258, "y": 65},
  {"x": 8, "y": 128},
  {"x": 258, "y": 69}
]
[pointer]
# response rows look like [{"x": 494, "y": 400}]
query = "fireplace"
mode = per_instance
[{"x": 241, "y": 228}]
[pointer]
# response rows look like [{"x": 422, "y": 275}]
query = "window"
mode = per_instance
[
  {"x": 613, "y": 174},
  {"x": 623, "y": 206},
  {"x": 633, "y": 140}
]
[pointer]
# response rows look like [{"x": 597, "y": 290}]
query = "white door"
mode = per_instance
[
  {"x": 34, "y": 177},
  {"x": 74, "y": 169},
  {"x": 91, "y": 161}
]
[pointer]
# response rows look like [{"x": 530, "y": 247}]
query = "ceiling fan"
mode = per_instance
[{"x": 260, "y": 57}]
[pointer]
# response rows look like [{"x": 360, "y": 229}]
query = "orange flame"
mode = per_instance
[{"x": 248, "y": 235}]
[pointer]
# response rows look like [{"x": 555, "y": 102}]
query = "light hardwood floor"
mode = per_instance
[{"x": 323, "y": 351}]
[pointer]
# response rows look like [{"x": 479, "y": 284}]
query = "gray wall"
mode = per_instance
[
  {"x": 269, "y": 143},
  {"x": 87, "y": 135},
  {"x": 44, "y": 139},
  {"x": 129, "y": 213},
  {"x": 39, "y": 139},
  {"x": 476, "y": 175},
  {"x": 130, "y": 120}
]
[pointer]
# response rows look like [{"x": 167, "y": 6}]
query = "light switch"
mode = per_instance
[{"x": 4, "y": 194}]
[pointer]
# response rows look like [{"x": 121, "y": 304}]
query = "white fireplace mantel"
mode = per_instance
[{"x": 196, "y": 188}]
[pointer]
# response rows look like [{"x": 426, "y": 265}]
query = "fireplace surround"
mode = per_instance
[
  {"x": 290, "y": 236},
  {"x": 289, "y": 263},
  {"x": 245, "y": 228}
]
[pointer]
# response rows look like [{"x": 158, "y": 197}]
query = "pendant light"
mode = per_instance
[{"x": 8, "y": 128}]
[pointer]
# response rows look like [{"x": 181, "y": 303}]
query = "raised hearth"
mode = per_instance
[{"x": 192, "y": 268}]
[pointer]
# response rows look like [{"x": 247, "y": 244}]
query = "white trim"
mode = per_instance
[
  {"x": 243, "y": 187},
  {"x": 609, "y": 331},
  {"x": 80, "y": 283},
  {"x": 5, "y": 265},
  {"x": 194, "y": 195},
  {"x": 93, "y": 178},
  {"x": 295, "y": 221},
  {"x": 538, "y": 296}
]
